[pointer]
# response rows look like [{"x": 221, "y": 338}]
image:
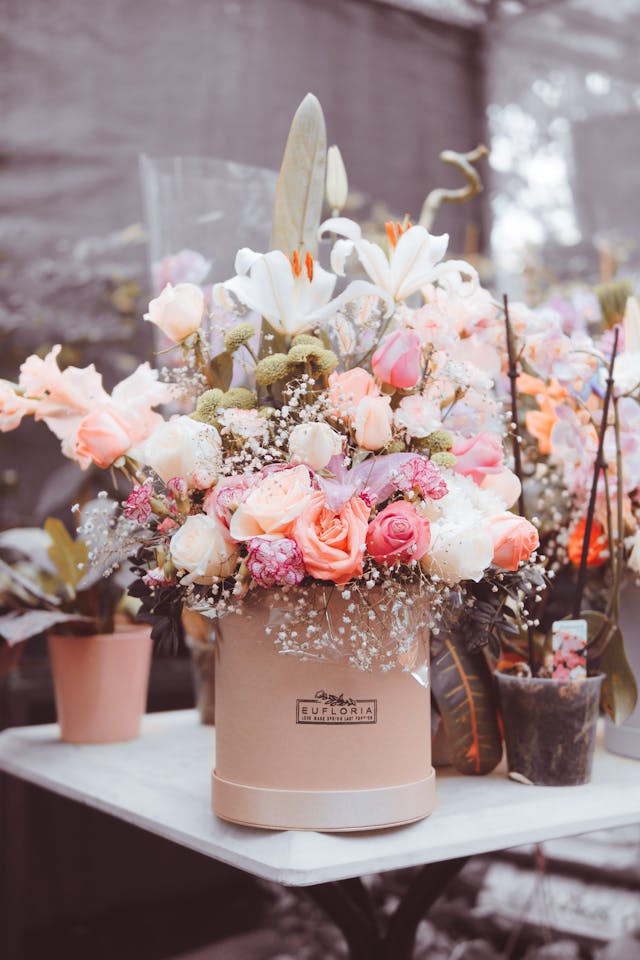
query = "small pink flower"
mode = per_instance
[
  {"x": 168, "y": 526},
  {"x": 178, "y": 487},
  {"x": 398, "y": 359},
  {"x": 138, "y": 505},
  {"x": 423, "y": 475},
  {"x": 227, "y": 495},
  {"x": 156, "y": 578},
  {"x": 398, "y": 534},
  {"x": 275, "y": 563}
]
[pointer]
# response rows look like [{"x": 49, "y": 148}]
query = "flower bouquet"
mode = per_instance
[
  {"x": 574, "y": 398},
  {"x": 334, "y": 489},
  {"x": 71, "y": 589}
]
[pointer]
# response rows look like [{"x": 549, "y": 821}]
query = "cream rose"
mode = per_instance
[
  {"x": 203, "y": 549},
  {"x": 177, "y": 311},
  {"x": 373, "y": 422},
  {"x": 272, "y": 505},
  {"x": 461, "y": 548},
  {"x": 183, "y": 447},
  {"x": 314, "y": 444}
]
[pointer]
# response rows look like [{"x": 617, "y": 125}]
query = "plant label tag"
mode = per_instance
[{"x": 569, "y": 641}]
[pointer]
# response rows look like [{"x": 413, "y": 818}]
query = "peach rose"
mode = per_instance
[
  {"x": 272, "y": 506},
  {"x": 477, "y": 456},
  {"x": 346, "y": 390},
  {"x": 398, "y": 534},
  {"x": 332, "y": 544},
  {"x": 398, "y": 359},
  {"x": 514, "y": 540},
  {"x": 177, "y": 311},
  {"x": 504, "y": 484},
  {"x": 103, "y": 436},
  {"x": 373, "y": 422}
]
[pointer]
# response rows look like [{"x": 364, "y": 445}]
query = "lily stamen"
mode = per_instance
[
  {"x": 308, "y": 262},
  {"x": 295, "y": 264}
]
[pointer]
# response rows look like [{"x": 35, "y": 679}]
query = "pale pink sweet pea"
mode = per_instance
[
  {"x": 478, "y": 456},
  {"x": 177, "y": 311},
  {"x": 13, "y": 407},
  {"x": 398, "y": 359}
]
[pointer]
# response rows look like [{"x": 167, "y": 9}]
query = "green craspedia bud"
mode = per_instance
[
  {"x": 327, "y": 361},
  {"x": 307, "y": 338},
  {"x": 271, "y": 368},
  {"x": 238, "y": 336},
  {"x": 396, "y": 446},
  {"x": 304, "y": 352},
  {"x": 208, "y": 405},
  {"x": 239, "y": 397},
  {"x": 444, "y": 459},
  {"x": 439, "y": 440}
]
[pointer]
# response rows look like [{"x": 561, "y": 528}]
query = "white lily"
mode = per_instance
[
  {"x": 291, "y": 296},
  {"x": 413, "y": 263}
]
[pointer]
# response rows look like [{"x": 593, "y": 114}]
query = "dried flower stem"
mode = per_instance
[
  {"x": 515, "y": 426},
  {"x": 597, "y": 467}
]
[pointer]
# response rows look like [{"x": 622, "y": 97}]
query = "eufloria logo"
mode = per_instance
[{"x": 335, "y": 708}]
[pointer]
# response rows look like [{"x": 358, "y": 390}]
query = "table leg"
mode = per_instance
[
  {"x": 348, "y": 904},
  {"x": 13, "y": 865}
]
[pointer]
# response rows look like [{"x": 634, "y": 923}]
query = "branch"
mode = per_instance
[{"x": 464, "y": 163}]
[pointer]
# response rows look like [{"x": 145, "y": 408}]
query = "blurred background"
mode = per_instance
[{"x": 93, "y": 95}]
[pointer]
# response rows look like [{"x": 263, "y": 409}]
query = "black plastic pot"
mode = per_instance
[{"x": 549, "y": 728}]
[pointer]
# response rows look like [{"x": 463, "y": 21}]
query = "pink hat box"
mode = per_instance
[{"x": 316, "y": 745}]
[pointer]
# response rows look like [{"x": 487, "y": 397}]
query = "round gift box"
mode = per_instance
[{"x": 313, "y": 745}]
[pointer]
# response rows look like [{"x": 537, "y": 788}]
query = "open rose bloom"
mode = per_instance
[{"x": 344, "y": 441}]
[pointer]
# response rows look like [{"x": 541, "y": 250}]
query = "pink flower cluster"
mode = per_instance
[
  {"x": 275, "y": 563},
  {"x": 421, "y": 475}
]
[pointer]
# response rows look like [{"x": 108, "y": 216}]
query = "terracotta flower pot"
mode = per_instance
[
  {"x": 100, "y": 683},
  {"x": 549, "y": 728},
  {"x": 316, "y": 745}
]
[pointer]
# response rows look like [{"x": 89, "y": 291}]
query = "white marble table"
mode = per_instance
[{"x": 161, "y": 783}]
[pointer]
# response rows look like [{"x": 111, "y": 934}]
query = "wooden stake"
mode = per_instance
[{"x": 597, "y": 468}]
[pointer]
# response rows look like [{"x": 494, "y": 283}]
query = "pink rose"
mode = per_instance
[
  {"x": 373, "y": 422},
  {"x": 514, "y": 540},
  {"x": 227, "y": 495},
  {"x": 332, "y": 543},
  {"x": 477, "y": 456},
  {"x": 505, "y": 484},
  {"x": 398, "y": 359},
  {"x": 272, "y": 505},
  {"x": 398, "y": 534},
  {"x": 346, "y": 390},
  {"x": 103, "y": 436}
]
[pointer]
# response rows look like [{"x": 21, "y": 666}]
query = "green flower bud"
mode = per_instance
[
  {"x": 439, "y": 440},
  {"x": 444, "y": 459},
  {"x": 271, "y": 368},
  {"x": 238, "y": 336},
  {"x": 327, "y": 361},
  {"x": 208, "y": 405},
  {"x": 239, "y": 397},
  {"x": 307, "y": 338},
  {"x": 304, "y": 352},
  {"x": 396, "y": 446}
]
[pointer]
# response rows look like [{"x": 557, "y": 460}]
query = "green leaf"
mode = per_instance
[
  {"x": 619, "y": 689},
  {"x": 300, "y": 188},
  {"x": 18, "y": 627},
  {"x": 69, "y": 556},
  {"x": 222, "y": 369},
  {"x": 463, "y": 687}
]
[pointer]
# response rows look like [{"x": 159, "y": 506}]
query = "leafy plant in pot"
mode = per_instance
[{"x": 73, "y": 590}]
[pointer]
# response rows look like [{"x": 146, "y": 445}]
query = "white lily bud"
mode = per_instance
[{"x": 337, "y": 184}]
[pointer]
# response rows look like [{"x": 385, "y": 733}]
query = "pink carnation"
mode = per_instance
[
  {"x": 138, "y": 505},
  {"x": 178, "y": 487},
  {"x": 275, "y": 563},
  {"x": 423, "y": 475},
  {"x": 227, "y": 495}
]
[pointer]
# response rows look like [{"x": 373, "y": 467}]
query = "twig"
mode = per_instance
[
  {"x": 513, "y": 376},
  {"x": 463, "y": 162},
  {"x": 597, "y": 467}
]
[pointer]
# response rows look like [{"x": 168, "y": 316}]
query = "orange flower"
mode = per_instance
[
  {"x": 332, "y": 544},
  {"x": 541, "y": 422},
  {"x": 532, "y": 386},
  {"x": 598, "y": 552}
]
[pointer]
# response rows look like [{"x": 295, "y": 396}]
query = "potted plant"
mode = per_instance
[{"x": 71, "y": 590}]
